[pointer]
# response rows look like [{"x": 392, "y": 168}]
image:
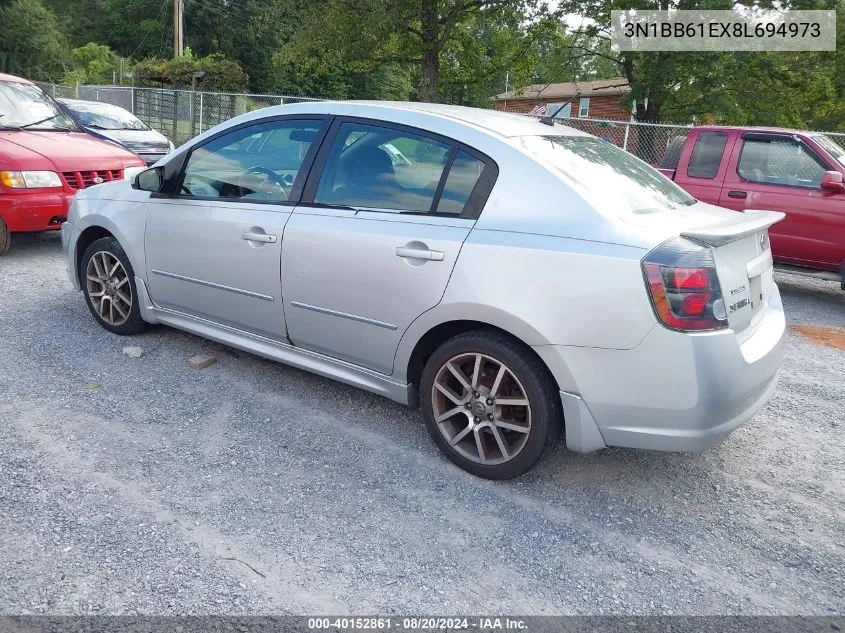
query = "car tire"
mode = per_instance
[
  {"x": 478, "y": 420},
  {"x": 105, "y": 273},
  {"x": 5, "y": 238}
]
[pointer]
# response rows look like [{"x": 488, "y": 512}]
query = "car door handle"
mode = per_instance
[
  {"x": 419, "y": 253},
  {"x": 258, "y": 237},
  {"x": 737, "y": 194}
]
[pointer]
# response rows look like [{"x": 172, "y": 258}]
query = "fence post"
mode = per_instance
[
  {"x": 200, "y": 113},
  {"x": 625, "y": 140},
  {"x": 76, "y": 92},
  {"x": 132, "y": 99}
]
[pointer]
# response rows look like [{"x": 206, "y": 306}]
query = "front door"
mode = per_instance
[
  {"x": 777, "y": 172},
  {"x": 374, "y": 242},
  {"x": 213, "y": 246}
]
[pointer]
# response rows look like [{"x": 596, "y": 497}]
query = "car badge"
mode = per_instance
[{"x": 98, "y": 180}]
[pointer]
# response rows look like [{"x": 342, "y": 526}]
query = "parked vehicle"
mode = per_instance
[
  {"x": 797, "y": 173},
  {"x": 45, "y": 159},
  {"x": 113, "y": 123},
  {"x": 513, "y": 278}
]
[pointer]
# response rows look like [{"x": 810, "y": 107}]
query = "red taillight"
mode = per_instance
[
  {"x": 691, "y": 278},
  {"x": 684, "y": 288}
]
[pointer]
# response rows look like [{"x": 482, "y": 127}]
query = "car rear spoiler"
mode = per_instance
[{"x": 743, "y": 225}]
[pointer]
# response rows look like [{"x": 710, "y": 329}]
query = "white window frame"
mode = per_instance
[{"x": 584, "y": 107}]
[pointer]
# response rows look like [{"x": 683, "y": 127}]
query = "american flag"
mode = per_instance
[{"x": 539, "y": 109}]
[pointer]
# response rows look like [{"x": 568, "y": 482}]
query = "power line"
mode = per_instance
[{"x": 147, "y": 34}]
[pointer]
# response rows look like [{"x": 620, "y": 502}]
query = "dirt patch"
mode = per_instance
[{"x": 833, "y": 337}]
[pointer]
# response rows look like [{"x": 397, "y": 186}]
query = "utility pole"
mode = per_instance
[{"x": 178, "y": 28}]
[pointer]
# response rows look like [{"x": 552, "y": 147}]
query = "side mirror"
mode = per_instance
[
  {"x": 832, "y": 181},
  {"x": 149, "y": 180}
]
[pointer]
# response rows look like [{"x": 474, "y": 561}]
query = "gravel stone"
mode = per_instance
[
  {"x": 133, "y": 352},
  {"x": 261, "y": 489}
]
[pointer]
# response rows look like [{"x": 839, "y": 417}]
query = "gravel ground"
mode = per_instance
[{"x": 140, "y": 486}]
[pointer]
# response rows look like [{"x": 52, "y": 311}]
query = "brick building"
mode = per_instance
[{"x": 600, "y": 99}]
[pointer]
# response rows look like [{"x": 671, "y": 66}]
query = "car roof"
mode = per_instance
[
  {"x": 14, "y": 79},
  {"x": 753, "y": 128},
  {"x": 493, "y": 122}
]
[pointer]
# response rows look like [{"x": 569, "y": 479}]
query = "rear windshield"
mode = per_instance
[{"x": 609, "y": 178}]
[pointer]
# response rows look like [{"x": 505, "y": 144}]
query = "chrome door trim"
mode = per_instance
[
  {"x": 343, "y": 315},
  {"x": 211, "y": 284}
]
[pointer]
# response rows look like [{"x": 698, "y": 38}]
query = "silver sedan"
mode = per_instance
[{"x": 514, "y": 278}]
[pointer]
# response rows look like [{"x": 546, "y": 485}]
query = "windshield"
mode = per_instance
[
  {"x": 607, "y": 177},
  {"x": 105, "y": 117},
  {"x": 831, "y": 148},
  {"x": 24, "y": 105}
]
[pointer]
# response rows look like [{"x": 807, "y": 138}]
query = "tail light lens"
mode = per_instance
[{"x": 684, "y": 288}]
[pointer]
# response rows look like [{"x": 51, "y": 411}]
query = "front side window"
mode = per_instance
[
  {"x": 382, "y": 168},
  {"x": 260, "y": 162},
  {"x": 609, "y": 178},
  {"x": 24, "y": 105},
  {"x": 707, "y": 154},
  {"x": 779, "y": 162}
]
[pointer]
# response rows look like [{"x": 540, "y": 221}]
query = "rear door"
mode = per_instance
[
  {"x": 376, "y": 236},
  {"x": 779, "y": 172}
]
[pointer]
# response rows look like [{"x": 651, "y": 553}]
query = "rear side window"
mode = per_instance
[
  {"x": 382, "y": 168},
  {"x": 707, "y": 154},
  {"x": 462, "y": 179}
]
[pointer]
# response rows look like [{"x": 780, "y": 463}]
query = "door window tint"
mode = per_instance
[
  {"x": 707, "y": 154},
  {"x": 259, "y": 162},
  {"x": 382, "y": 169},
  {"x": 463, "y": 175},
  {"x": 779, "y": 162}
]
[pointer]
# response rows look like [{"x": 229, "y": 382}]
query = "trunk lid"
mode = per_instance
[{"x": 743, "y": 257}]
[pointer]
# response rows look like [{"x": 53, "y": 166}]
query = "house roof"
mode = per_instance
[{"x": 613, "y": 86}]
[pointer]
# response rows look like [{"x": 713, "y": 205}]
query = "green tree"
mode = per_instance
[
  {"x": 420, "y": 34},
  {"x": 31, "y": 43},
  {"x": 92, "y": 64}
]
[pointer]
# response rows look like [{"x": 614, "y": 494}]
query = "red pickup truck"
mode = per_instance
[
  {"x": 798, "y": 173},
  {"x": 45, "y": 158}
]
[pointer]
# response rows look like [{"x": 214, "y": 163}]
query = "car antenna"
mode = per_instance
[{"x": 549, "y": 119}]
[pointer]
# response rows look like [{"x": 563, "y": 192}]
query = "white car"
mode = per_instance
[{"x": 514, "y": 278}]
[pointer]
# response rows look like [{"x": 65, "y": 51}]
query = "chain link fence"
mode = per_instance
[
  {"x": 182, "y": 114},
  {"x": 655, "y": 143},
  {"x": 178, "y": 114}
]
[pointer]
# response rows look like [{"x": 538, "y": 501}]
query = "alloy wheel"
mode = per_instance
[
  {"x": 108, "y": 288},
  {"x": 481, "y": 408}
]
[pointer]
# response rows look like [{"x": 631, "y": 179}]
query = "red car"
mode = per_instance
[
  {"x": 798, "y": 173},
  {"x": 45, "y": 159}
]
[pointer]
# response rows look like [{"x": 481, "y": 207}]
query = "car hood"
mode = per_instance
[
  {"x": 139, "y": 141},
  {"x": 62, "y": 151}
]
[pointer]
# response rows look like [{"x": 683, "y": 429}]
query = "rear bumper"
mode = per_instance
[
  {"x": 674, "y": 391},
  {"x": 35, "y": 211}
]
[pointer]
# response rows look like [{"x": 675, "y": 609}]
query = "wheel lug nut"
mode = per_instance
[
  {"x": 476, "y": 394},
  {"x": 477, "y": 420},
  {"x": 489, "y": 401},
  {"x": 467, "y": 406},
  {"x": 490, "y": 416}
]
